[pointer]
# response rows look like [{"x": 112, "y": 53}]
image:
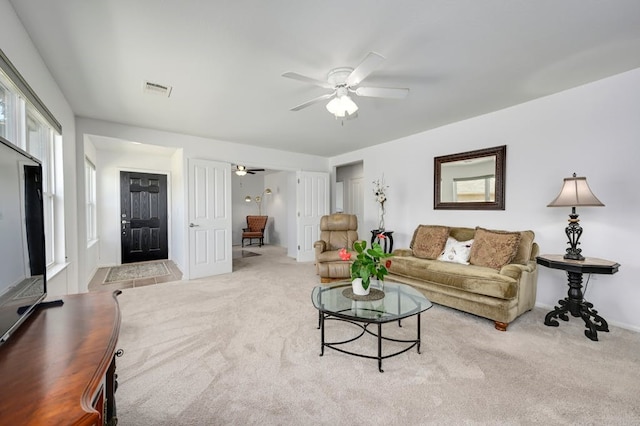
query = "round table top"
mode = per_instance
[{"x": 399, "y": 301}]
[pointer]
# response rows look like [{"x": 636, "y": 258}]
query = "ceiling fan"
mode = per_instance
[
  {"x": 243, "y": 170},
  {"x": 345, "y": 81}
]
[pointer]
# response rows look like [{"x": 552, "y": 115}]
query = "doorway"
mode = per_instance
[
  {"x": 143, "y": 217},
  {"x": 352, "y": 176}
]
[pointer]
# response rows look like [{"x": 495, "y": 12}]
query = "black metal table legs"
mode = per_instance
[
  {"x": 575, "y": 304},
  {"x": 334, "y": 345}
]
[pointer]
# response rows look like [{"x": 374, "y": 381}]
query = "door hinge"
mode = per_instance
[{"x": 298, "y": 248}]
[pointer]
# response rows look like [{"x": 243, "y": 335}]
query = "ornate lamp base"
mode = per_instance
[{"x": 573, "y": 231}]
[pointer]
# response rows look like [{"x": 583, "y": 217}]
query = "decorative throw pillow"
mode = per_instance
[
  {"x": 523, "y": 254},
  {"x": 456, "y": 251},
  {"x": 429, "y": 240},
  {"x": 493, "y": 248}
]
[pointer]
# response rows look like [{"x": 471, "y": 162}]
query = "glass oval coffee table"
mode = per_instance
[{"x": 389, "y": 303}]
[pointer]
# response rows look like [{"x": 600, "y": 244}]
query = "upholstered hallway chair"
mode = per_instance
[
  {"x": 337, "y": 231},
  {"x": 255, "y": 229}
]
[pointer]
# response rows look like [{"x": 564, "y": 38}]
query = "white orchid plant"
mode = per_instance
[{"x": 380, "y": 191}]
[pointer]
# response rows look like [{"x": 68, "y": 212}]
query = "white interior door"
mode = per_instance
[
  {"x": 312, "y": 203},
  {"x": 209, "y": 218},
  {"x": 356, "y": 203}
]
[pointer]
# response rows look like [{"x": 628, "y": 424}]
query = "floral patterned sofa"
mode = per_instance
[{"x": 489, "y": 273}]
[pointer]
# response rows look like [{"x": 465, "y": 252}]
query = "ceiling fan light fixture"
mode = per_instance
[
  {"x": 347, "y": 80},
  {"x": 241, "y": 170},
  {"x": 341, "y": 106}
]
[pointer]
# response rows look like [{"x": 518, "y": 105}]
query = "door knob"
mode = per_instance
[
  {"x": 193, "y": 225},
  {"x": 125, "y": 221}
]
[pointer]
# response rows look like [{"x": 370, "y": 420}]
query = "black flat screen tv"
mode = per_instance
[{"x": 23, "y": 283}]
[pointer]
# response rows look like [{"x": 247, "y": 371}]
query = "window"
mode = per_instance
[
  {"x": 28, "y": 124},
  {"x": 90, "y": 196},
  {"x": 10, "y": 107},
  {"x": 472, "y": 189}
]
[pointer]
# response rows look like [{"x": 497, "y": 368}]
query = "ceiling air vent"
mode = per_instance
[{"x": 156, "y": 88}]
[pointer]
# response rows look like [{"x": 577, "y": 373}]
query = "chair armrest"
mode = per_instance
[
  {"x": 514, "y": 270},
  {"x": 320, "y": 246}
]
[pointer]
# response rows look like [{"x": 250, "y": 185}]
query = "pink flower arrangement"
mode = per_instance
[
  {"x": 344, "y": 254},
  {"x": 368, "y": 263}
]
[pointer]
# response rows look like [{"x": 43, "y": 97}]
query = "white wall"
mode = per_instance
[
  {"x": 178, "y": 224},
  {"x": 346, "y": 174},
  {"x": 292, "y": 215},
  {"x": 592, "y": 130},
  {"x": 18, "y": 47},
  {"x": 277, "y": 207},
  {"x": 108, "y": 168},
  {"x": 89, "y": 252}
]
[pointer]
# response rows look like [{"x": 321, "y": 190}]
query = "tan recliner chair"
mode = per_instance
[{"x": 337, "y": 231}]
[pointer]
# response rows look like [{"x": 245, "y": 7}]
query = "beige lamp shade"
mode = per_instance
[{"x": 575, "y": 192}]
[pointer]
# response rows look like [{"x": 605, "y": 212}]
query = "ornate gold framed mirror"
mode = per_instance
[{"x": 471, "y": 180}]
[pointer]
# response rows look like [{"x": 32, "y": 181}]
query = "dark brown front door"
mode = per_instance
[{"x": 143, "y": 208}]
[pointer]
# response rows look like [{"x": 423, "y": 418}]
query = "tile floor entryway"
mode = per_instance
[{"x": 97, "y": 282}]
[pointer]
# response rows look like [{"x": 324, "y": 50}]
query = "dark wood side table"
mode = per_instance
[
  {"x": 387, "y": 248},
  {"x": 574, "y": 303}
]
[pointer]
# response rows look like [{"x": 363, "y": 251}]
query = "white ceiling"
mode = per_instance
[{"x": 224, "y": 59}]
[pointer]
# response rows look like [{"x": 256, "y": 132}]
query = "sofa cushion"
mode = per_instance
[
  {"x": 494, "y": 249},
  {"x": 429, "y": 240},
  {"x": 456, "y": 251},
  {"x": 523, "y": 255},
  {"x": 474, "y": 279}
]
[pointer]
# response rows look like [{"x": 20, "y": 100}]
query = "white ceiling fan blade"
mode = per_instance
[
  {"x": 313, "y": 101},
  {"x": 306, "y": 79},
  {"x": 366, "y": 67},
  {"x": 382, "y": 92}
]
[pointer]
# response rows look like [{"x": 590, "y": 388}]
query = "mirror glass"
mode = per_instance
[{"x": 471, "y": 180}]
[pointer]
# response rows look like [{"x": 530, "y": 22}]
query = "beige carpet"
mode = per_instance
[{"x": 243, "y": 349}]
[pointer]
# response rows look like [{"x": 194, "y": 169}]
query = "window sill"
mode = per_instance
[{"x": 55, "y": 269}]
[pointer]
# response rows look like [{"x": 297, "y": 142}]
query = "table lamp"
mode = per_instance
[{"x": 575, "y": 192}]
